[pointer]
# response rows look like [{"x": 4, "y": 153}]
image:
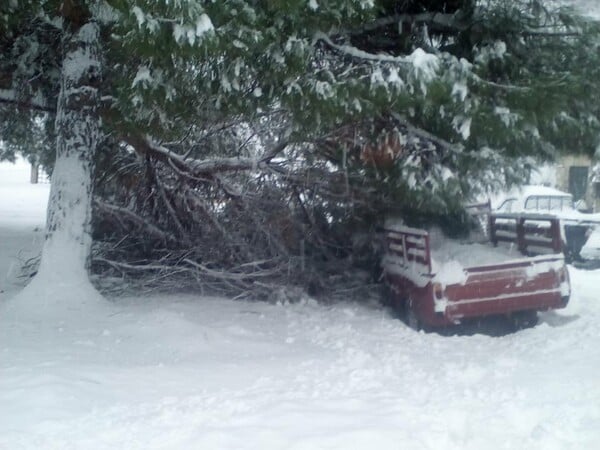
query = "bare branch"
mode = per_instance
[
  {"x": 227, "y": 275},
  {"x": 9, "y": 96},
  {"x": 163, "y": 195},
  {"x": 139, "y": 267},
  {"x": 133, "y": 217}
]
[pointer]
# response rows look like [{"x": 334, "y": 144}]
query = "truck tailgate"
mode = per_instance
[{"x": 529, "y": 284}]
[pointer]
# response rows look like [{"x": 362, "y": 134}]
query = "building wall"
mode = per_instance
[{"x": 562, "y": 178}]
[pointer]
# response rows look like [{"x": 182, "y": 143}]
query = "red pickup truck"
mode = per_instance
[{"x": 436, "y": 282}]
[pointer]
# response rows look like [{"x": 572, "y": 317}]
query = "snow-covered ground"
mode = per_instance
[
  {"x": 22, "y": 218},
  {"x": 190, "y": 372}
]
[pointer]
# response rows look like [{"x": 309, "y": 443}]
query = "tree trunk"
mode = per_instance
[
  {"x": 68, "y": 238},
  {"x": 62, "y": 281},
  {"x": 34, "y": 173}
]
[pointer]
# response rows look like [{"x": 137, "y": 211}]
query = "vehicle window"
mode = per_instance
[
  {"x": 507, "y": 205},
  {"x": 568, "y": 203},
  {"x": 557, "y": 203},
  {"x": 543, "y": 203},
  {"x": 531, "y": 202}
]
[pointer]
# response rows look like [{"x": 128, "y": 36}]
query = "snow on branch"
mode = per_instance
[
  {"x": 419, "y": 132},
  {"x": 196, "y": 167},
  {"x": 506, "y": 87},
  {"x": 357, "y": 53}
]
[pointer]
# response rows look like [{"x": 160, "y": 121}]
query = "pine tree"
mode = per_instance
[{"x": 426, "y": 101}]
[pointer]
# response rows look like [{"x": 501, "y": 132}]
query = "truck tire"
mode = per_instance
[
  {"x": 411, "y": 316},
  {"x": 386, "y": 295}
]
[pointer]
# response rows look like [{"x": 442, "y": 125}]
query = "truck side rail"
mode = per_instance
[
  {"x": 409, "y": 245},
  {"x": 532, "y": 233}
]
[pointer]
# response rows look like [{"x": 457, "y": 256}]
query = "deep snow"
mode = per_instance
[{"x": 187, "y": 372}]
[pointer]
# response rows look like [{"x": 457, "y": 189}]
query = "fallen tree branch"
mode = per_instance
[
  {"x": 192, "y": 267},
  {"x": 230, "y": 275},
  {"x": 163, "y": 195},
  {"x": 153, "y": 230},
  {"x": 196, "y": 167},
  {"x": 140, "y": 267}
]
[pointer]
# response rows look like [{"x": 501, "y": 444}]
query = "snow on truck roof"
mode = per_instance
[
  {"x": 522, "y": 193},
  {"x": 528, "y": 190},
  {"x": 531, "y": 190}
]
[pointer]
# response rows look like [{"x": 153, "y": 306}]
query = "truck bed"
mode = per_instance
[
  {"x": 442, "y": 281},
  {"x": 448, "y": 256}
]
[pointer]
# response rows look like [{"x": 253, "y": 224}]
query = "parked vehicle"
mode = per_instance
[
  {"x": 435, "y": 281},
  {"x": 590, "y": 252},
  {"x": 537, "y": 199},
  {"x": 576, "y": 226}
]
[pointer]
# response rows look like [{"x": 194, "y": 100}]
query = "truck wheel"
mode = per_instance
[
  {"x": 386, "y": 295},
  {"x": 411, "y": 316},
  {"x": 523, "y": 319}
]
